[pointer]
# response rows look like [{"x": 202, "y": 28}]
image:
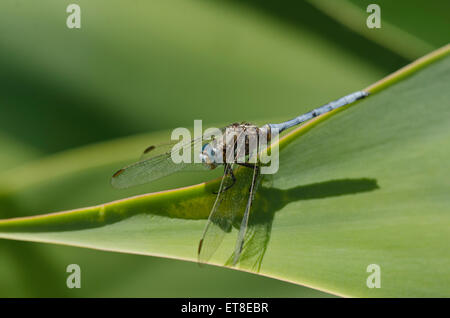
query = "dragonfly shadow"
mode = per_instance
[{"x": 268, "y": 201}]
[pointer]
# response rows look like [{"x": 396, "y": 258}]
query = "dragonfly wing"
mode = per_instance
[
  {"x": 155, "y": 150},
  {"x": 156, "y": 162},
  {"x": 230, "y": 204},
  {"x": 167, "y": 148},
  {"x": 256, "y": 179},
  {"x": 145, "y": 171},
  {"x": 219, "y": 221}
]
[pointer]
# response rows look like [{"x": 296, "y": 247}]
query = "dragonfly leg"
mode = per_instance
[
  {"x": 233, "y": 178},
  {"x": 248, "y": 165},
  {"x": 228, "y": 171}
]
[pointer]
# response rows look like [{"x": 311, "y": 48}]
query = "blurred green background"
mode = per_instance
[{"x": 141, "y": 66}]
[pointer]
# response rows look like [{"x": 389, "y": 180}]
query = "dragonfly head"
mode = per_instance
[{"x": 208, "y": 156}]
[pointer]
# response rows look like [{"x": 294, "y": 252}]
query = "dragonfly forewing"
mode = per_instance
[
  {"x": 167, "y": 148},
  {"x": 256, "y": 179},
  {"x": 156, "y": 162},
  {"x": 229, "y": 207}
]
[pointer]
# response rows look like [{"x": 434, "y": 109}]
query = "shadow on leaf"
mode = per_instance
[{"x": 270, "y": 200}]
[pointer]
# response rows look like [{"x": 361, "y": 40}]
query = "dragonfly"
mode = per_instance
[{"x": 235, "y": 195}]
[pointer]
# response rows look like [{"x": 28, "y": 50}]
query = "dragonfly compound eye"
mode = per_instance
[
  {"x": 205, "y": 159},
  {"x": 207, "y": 156}
]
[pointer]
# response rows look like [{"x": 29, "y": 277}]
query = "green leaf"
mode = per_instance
[
  {"x": 367, "y": 186},
  {"x": 410, "y": 29},
  {"x": 416, "y": 18}
]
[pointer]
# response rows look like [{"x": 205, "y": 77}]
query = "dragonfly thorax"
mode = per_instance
[{"x": 233, "y": 144}]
